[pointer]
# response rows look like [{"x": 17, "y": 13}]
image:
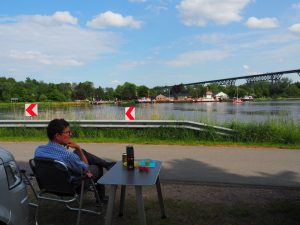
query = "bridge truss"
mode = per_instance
[{"x": 273, "y": 77}]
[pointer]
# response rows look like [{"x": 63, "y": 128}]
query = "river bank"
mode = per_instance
[{"x": 87, "y": 102}]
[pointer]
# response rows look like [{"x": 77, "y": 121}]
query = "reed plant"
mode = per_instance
[{"x": 279, "y": 131}]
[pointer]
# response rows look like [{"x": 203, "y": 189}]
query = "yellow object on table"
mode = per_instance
[{"x": 136, "y": 164}]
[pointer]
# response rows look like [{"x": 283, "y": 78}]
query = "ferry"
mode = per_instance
[{"x": 145, "y": 100}]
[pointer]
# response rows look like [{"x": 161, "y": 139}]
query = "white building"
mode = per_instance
[{"x": 221, "y": 96}]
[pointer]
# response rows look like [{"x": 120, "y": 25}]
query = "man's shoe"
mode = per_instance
[{"x": 104, "y": 200}]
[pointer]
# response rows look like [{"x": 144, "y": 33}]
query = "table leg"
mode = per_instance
[
  {"x": 110, "y": 206},
  {"x": 122, "y": 198},
  {"x": 160, "y": 199},
  {"x": 140, "y": 205}
]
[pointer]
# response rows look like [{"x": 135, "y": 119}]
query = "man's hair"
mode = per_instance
[{"x": 56, "y": 126}]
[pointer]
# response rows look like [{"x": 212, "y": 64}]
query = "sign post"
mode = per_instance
[
  {"x": 31, "y": 109},
  {"x": 130, "y": 113}
]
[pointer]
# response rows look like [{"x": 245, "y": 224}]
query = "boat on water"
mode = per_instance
[
  {"x": 207, "y": 98},
  {"x": 237, "y": 100},
  {"x": 145, "y": 100},
  {"x": 247, "y": 98},
  {"x": 204, "y": 99}
]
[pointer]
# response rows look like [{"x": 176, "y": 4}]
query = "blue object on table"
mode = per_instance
[
  {"x": 142, "y": 162},
  {"x": 152, "y": 163}
]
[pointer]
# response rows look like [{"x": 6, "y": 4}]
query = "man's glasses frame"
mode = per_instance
[{"x": 67, "y": 132}]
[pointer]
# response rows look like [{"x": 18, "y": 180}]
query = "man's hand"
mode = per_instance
[
  {"x": 73, "y": 145},
  {"x": 89, "y": 174},
  {"x": 78, "y": 148}
]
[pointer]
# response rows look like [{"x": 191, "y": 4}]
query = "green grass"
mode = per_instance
[
  {"x": 282, "y": 134},
  {"x": 21, "y": 104},
  {"x": 276, "y": 132}
]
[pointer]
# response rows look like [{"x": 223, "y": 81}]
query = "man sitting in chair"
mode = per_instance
[{"x": 79, "y": 161}]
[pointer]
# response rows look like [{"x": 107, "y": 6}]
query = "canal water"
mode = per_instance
[{"x": 219, "y": 112}]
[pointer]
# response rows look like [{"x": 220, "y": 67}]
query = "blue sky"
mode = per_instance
[{"x": 147, "y": 42}]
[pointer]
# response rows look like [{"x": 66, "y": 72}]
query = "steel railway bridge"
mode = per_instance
[{"x": 273, "y": 77}]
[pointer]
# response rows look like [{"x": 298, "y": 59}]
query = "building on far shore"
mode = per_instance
[
  {"x": 221, "y": 96},
  {"x": 12, "y": 100},
  {"x": 161, "y": 98}
]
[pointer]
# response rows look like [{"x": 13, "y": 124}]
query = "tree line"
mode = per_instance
[{"x": 32, "y": 90}]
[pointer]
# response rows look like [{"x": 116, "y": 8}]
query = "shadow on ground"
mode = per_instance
[{"x": 200, "y": 203}]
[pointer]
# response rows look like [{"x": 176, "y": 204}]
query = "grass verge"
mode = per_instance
[{"x": 281, "y": 134}]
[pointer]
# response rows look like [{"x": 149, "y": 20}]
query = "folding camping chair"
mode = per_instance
[{"x": 56, "y": 183}]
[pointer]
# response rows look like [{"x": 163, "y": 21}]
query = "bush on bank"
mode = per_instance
[{"x": 271, "y": 133}]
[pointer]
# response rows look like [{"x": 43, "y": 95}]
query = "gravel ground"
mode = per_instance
[
  {"x": 193, "y": 204},
  {"x": 223, "y": 194}
]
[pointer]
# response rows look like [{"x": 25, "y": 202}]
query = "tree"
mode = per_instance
[
  {"x": 66, "y": 90},
  {"x": 214, "y": 87},
  {"x": 129, "y": 91},
  {"x": 119, "y": 92},
  {"x": 109, "y": 94},
  {"x": 293, "y": 91},
  {"x": 160, "y": 90},
  {"x": 84, "y": 90},
  {"x": 43, "y": 98},
  {"x": 177, "y": 90},
  {"x": 99, "y": 93},
  {"x": 261, "y": 89},
  {"x": 192, "y": 91},
  {"x": 142, "y": 91},
  {"x": 196, "y": 90},
  {"x": 280, "y": 87},
  {"x": 230, "y": 90}
]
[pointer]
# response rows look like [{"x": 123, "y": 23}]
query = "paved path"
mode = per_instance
[{"x": 234, "y": 165}]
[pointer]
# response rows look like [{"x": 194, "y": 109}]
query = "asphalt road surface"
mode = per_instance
[{"x": 198, "y": 164}]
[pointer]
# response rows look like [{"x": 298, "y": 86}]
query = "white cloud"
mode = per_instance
[
  {"x": 157, "y": 9},
  {"x": 246, "y": 67},
  {"x": 57, "y": 18},
  {"x": 296, "y": 6},
  {"x": 286, "y": 53},
  {"x": 109, "y": 18},
  {"x": 262, "y": 23},
  {"x": 65, "y": 17},
  {"x": 34, "y": 43},
  {"x": 198, "y": 57},
  {"x": 134, "y": 63},
  {"x": 295, "y": 28},
  {"x": 200, "y": 12},
  {"x": 43, "y": 59},
  {"x": 115, "y": 82}
]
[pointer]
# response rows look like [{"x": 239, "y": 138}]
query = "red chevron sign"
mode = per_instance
[
  {"x": 31, "y": 109},
  {"x": 129, "y": 113}
]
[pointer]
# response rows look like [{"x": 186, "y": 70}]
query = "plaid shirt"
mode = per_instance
[{"x": 56, "y": 151}]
